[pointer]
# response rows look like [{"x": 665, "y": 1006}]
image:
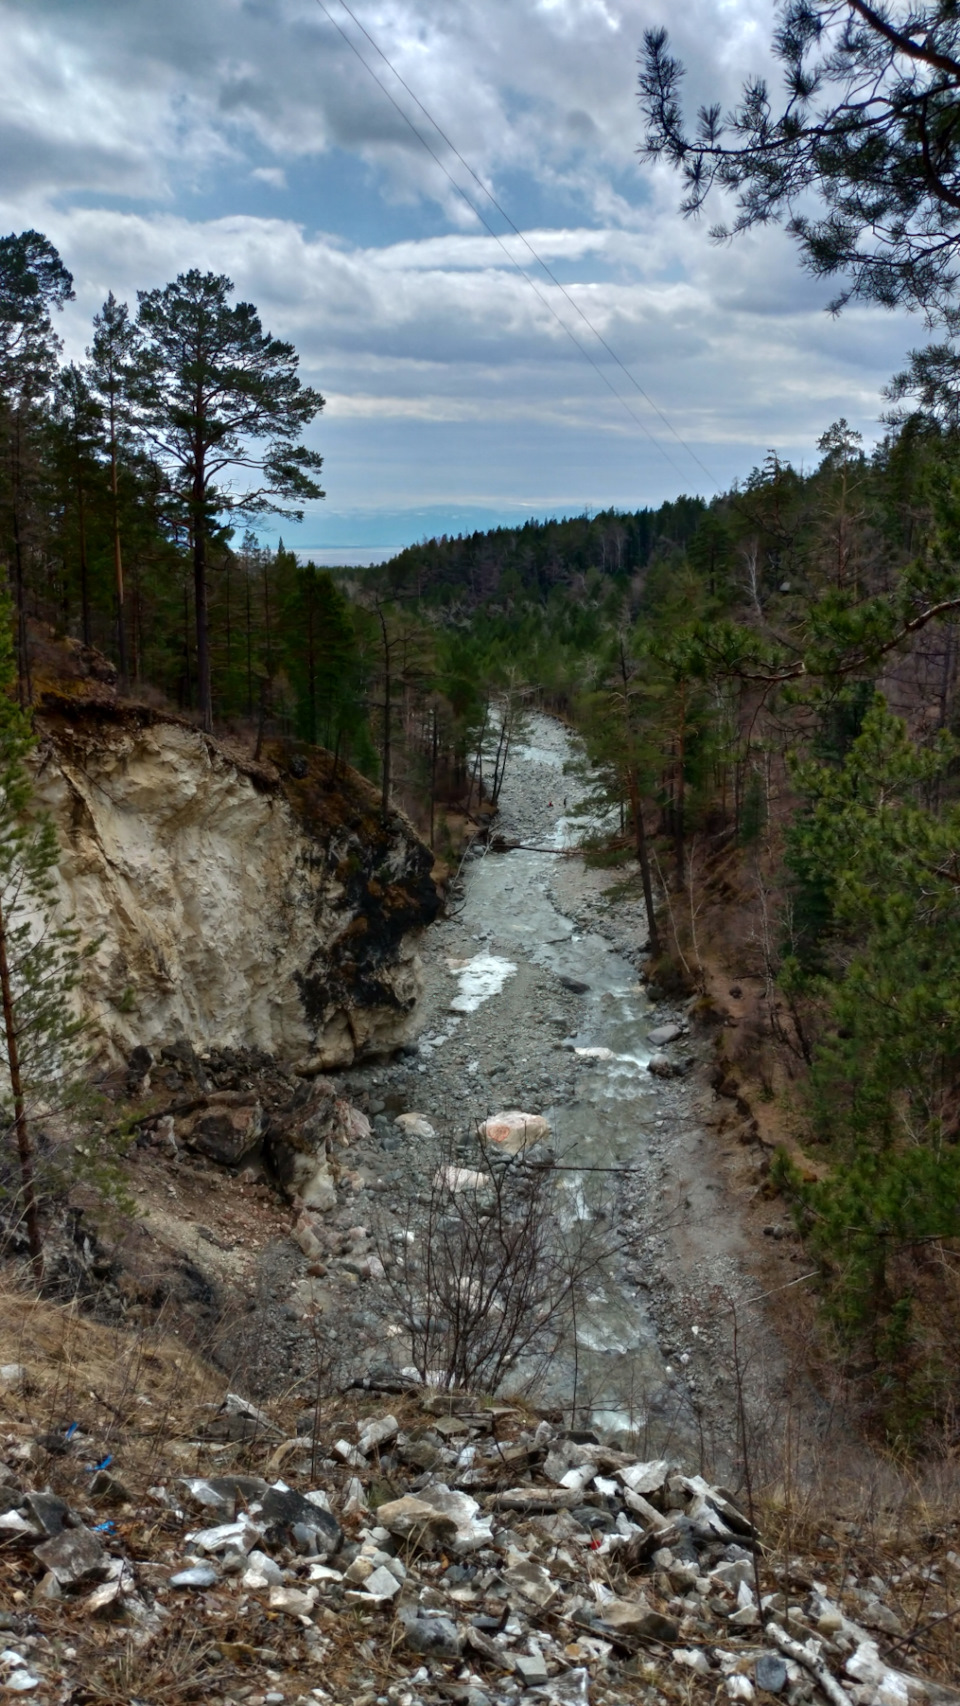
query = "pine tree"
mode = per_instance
[
  {"x": 39, "y": 958},
  {"x": 113, "y": 374},
  {"x": 214, "y": 384}
]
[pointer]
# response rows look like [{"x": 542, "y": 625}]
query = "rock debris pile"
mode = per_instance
[{"x": 449, "y": 1549}]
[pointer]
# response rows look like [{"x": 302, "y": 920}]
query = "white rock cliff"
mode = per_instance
[{"x": 232, "y": 904}]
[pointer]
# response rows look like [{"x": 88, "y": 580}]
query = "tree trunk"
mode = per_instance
[
  {"x": 643, "y": 857},
  {"x": 434, "y": 750},
  {"x": 680, "y": 803},
  {"x": 84, "y": 573},
  {"x": 249, "y": 655},
  {"x": 387, "y": 719},
  {"x": 31, "y": 1211},
  {"x": 204, "y": 689},
  {"x": 24, "y": 684},
  {"x": 311, "y": 667},
  {"x": 118, "y": 566},
  {"x": 187, "y": 684}
]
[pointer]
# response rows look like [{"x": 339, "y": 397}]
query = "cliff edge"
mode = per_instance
[{"x": 235, "y": 904}]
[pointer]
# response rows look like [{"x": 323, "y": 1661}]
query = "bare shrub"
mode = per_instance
[{"x": 482, "y": 1269}]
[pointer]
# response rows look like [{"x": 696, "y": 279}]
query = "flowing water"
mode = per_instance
[{"x": 609, "y": 1136}]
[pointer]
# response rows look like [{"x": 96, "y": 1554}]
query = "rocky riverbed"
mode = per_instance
[{"x": 533, "y": 1000}]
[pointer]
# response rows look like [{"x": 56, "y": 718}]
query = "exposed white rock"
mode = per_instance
[
  {"x": 513, "y": 1131},
  {"x": 218, "y": 915},
  {"x": 415, "y": 1125}
]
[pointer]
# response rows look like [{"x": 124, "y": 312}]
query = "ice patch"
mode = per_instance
[{"x": 479, "y": 978}]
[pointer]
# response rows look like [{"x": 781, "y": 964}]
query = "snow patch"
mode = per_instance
[{"x": 479, "y": 978}]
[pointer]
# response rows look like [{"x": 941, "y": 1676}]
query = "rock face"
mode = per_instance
[{"x": 235, "y": 905}]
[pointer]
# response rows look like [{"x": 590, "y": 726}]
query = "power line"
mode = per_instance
[
  {"x": 574, "y": 304},
  {"x": 478, "y": 213}
]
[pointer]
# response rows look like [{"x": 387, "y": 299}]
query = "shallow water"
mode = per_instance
[{"x": 618, "y": 1372}]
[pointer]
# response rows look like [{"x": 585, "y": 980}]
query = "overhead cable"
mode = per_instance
[{"x": 479, "y": 214}]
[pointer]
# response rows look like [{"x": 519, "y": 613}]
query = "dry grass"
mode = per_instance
[{"x": 105, "y": 1379}]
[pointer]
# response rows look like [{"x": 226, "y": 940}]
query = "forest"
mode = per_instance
[{"x": 766, "y": 685}]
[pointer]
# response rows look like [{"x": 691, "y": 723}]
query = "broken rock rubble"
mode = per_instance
[{"x": 522, "y": 1561}]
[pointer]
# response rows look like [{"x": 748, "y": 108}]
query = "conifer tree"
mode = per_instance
[
  {"x": 113, "y": 373},
  {"x": 219, "y": 394},
  {"x": 39, "y": 958},
  {"x": 33, "y": 281}
]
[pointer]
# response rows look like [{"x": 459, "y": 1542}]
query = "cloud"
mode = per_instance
[
  {"x": 275, "y": 176},
  {"x": 519, "y": 84},
  {"x": 247, "y": 136}
]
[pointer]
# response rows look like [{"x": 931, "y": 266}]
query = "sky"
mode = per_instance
[{"x": 248, "y": 137}]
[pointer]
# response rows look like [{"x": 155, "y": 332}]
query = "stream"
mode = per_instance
[{"x": 502, "y": 1029}]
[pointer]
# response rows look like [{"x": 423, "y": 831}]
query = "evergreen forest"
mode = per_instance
[{"x": 766, "y": 685}]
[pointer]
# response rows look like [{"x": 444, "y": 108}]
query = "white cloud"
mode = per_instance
[
  {"x": 126, "y": 99},
  {"x": 275, "y": 176}
]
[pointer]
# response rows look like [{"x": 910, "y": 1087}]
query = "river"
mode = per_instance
[{"x": 500, "y": 1029}]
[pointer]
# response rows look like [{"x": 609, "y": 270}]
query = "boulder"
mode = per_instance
[
  {"x": 513, "y": 1131},
  {"x": 225, "y": 1130},
  {"x": 305, "y": 1234},
  {"x": 635, "y": 1619},
  {"x": 303, "y": 1137},
  {"x": 663, "y": 1034},
  {"x": 320, "y": 1533},
  {"x": 432, "y": 1637},
  {"x": 456, "y": 1179},
  {"x": 415, "y": 1125},
  {"x": 413, "y": 1518},
  {"x": 73, "y": 1556}
]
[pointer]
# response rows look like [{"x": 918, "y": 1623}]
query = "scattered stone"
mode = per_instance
[
  {"x": 533, "y": 1582},
  {"x": 514, "y": 1131},
  {"x": 663, "y": 1034},
  {"x": 73, "y": 1556},
  {"x": 434, "y": 1637},
  {"x": 636, "y": 1618},
  {"x": 108, "y": 1489},
  {"x": 381, "y": 1585},
  {"x": 531, "y": 1669},
  {"x": 412, "y": 1518},
  {"x": 197, "y": 1576},
  {"x": 415, "y": 1125},
  {"x": 288, "y": 1510},
  {"x": 377, "y": 1433},
  {"x": 47, "y": 1512},
  {"x": 261, "y": 1571},
  {"x": 770, "y": 1673},
  {"x": 21, "y": 1681},
  {"x": 296, "y": 1602}
]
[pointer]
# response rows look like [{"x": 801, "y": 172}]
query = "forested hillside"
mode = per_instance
[{"x": 766, "y": 685}]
